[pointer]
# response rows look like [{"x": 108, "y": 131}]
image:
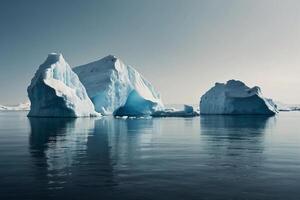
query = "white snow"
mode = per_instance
[
  {"x": 235, "y": 97},
  {"x": 116, "y": 88},
  {"x": 56, "y": 91}
]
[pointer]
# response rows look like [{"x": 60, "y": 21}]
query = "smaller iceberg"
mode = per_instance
[
  {"x": 20, "y": 107},
  {"x": 56, "y": 91},
  {"x": 3, "y": 107},
  {"x": 136, "y": 106},
  {"x": 283, "y": 107},
  {"x": 235, "y": 97},
  {"x": 188, "y": 111}
]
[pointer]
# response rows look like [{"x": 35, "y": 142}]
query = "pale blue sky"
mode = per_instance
[{"x": 182, "y": 46}]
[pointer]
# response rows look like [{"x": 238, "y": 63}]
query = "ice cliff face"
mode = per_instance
[
  {"x": 116, "y": 88},
  {"x": 56, "y": 91},
  {"x": 235, "y": 97}
]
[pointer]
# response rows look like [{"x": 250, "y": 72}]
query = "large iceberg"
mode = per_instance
[
  {"x": 56, "y": 91},
  {"x": 116, "y": 88},
  {"x": 235, "y": 97}
]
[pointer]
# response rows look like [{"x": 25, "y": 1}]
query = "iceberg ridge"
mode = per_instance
[{"x": 115, "y": 87}]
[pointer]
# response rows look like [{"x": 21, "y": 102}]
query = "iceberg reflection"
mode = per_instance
[
  {"x": 71, "y": 153},
  {"x": 235, "y": 141}
]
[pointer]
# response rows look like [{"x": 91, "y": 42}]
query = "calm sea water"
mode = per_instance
[{"x": 207, "y": 157}]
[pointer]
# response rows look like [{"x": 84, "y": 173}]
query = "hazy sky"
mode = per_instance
[{"x": 182, "y": 46}]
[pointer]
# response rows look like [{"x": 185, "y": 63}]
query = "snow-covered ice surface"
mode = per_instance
[
  {"x": 116, "y": 88},
  {"x": 235, "y": 97},
  {"x": 56, "y": 91}
]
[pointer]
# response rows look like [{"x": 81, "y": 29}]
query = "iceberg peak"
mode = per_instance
[
  {"x": 110, "y": 58},
  {"x": 111, "y": 84},
  {"x": 235, "y": 83},
  {"x": 54, "y": 57},
  {"x": 56, "y": 91}
]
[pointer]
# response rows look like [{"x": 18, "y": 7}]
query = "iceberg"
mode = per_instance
[
  {"x": 56, "y": 91},
  {"x": 20, "y": 107},
  {"x": 235, "y": 97},
  {"x": 135, "y": 105},
  {"x": 3, "y": 107},
  {"x": 188, "y": 108},
  {"x": 188, "y": 111},
  {"x": 118, "y": 89},
  {"x": 283, "y": 107}
]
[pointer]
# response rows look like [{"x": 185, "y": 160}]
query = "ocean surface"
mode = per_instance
[{"x": 206, "y": 157}]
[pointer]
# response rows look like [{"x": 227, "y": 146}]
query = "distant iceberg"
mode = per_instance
[
  {"x": 116, "y": 88},
  {"x": 188, "y": 111},
  {"x": 235, "y": 97},
  {"x": 56, "y": 91},
  {"x": 20, "y": 107},
  {"x": 283, "y": 107}
]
